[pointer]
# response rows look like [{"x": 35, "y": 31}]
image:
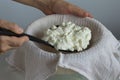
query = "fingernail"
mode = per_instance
[
  {"x": 20, "y": 30},
  {"x": 88, "y": 15},
  {"x": 26, "y": 38}
]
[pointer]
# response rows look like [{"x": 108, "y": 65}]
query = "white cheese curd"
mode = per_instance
[{"x": 68, "y": 36}]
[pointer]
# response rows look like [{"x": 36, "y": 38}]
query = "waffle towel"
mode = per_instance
[{"x": 101, "y": 61}]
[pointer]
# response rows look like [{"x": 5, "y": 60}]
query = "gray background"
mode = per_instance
[{"x": 106, "y": 11}]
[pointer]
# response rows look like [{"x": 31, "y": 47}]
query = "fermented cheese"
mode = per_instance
[{"x": 68, "y": 36}]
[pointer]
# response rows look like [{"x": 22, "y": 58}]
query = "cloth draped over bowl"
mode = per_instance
[{"x": 101, "y": 61}]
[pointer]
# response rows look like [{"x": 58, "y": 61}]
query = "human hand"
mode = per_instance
[
  {"x": 56, "y": 7},
  {"x": 7, "y": 42},
  {"x": 63, "y": 7}
]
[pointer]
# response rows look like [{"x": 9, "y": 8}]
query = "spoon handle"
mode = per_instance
[{"x": 6, "y": 32}]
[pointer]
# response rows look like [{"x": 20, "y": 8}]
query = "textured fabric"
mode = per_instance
[{"x": 101, "y": 61}]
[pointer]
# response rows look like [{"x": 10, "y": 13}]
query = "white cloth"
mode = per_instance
[{"x": 101, "y": 61}]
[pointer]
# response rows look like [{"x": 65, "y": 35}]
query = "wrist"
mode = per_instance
[
  {"x": 26, "y": 2},
  {"x": 54, "y": 3},
  {"x": 46, "y": 4}
]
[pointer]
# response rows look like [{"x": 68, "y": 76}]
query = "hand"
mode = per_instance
[
  {"x": 56, "y": 7},
  {"x": 63, "y": 7},
  {"x": 7, "y": 42}
]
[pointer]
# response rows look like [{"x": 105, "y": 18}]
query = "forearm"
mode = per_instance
[
  {"x": 49, "y": 7},
  {"x": 45, "y": 5},
  {"x": 39, "y": 4}
]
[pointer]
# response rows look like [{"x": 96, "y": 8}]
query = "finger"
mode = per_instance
[
  {"x": 16, "y": 42},
  {"x": 68, "y": 8},
  {"x": 13, "y": 41},
  {"x": 3, "y": 44},
  {"x": 75, "y": 10},
  {"x": 47, "y": 11},
  {"x": 11, "y": 26},
  {"x": 88, "y": 15},
  {"x": 7, "y": 43},
  {"x": 4, "y": 48}
]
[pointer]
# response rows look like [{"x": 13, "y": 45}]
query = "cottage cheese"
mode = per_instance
[{"x": 68, "y": 36}]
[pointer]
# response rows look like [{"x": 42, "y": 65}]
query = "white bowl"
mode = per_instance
[{"x": 38, "y": 27}]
